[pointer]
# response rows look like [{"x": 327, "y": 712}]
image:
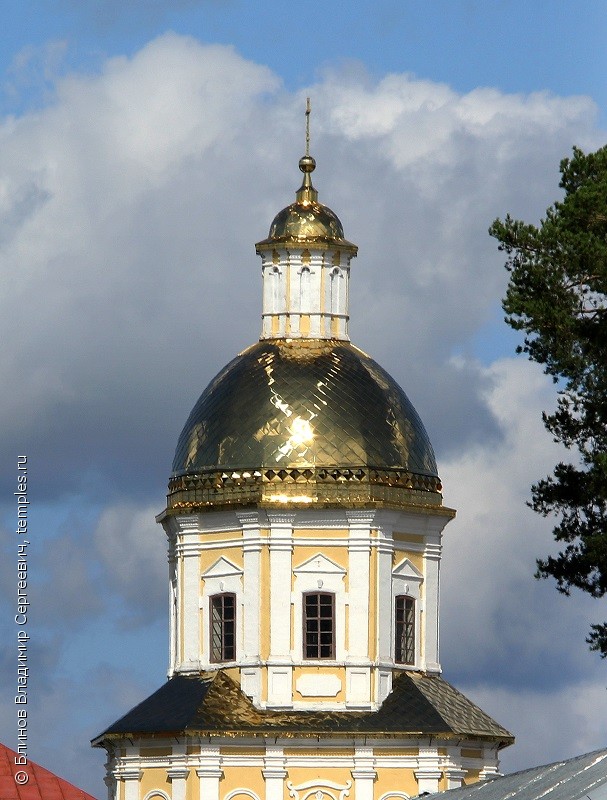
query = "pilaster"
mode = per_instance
[
  {"x": 454, "y": 773},
  {"x": 209, "y": 773},
  {"x": 364, "y": 773},
  {"x": 250, "y": 661},
  {"x": 428, "y": 773},
  {"x": 178, "y": 777},
  {"x": 274, "y": 772},
  {"x": 358, "y": 678},
  {"x": 280, "y": 692},
  {"x": 188, "y": 599},
  {"x": 432, "y": 556}
]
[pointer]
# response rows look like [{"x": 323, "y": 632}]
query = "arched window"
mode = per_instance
[
  {"x": 304, "y": 290},
  {"x": 336, "y": 290},
  {"x": 319, "y": 625},
  {"x": 222, "y": 617},
  {"x": 404, "y": 628}
]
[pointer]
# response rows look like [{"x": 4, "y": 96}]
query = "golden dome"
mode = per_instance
[{"x": 298, "y": 418}]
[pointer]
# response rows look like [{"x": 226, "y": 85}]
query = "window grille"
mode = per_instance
[
  {"x": 223, "y": 627},
  {"x": 405, "y": 630},
  {"x": 319, "y": 625}
]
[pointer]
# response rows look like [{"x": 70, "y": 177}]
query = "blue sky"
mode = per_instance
[
  {"x": 144, "y": 148},
  {"x": 511, "y": 44}
]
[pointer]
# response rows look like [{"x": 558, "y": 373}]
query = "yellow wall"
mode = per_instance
[
  {"x": 417, "y": 559},
  {"x": 395, "y": 779},
  {"x": 156, "y": 778},
  {"x": 299, "y": 775},
  {"x": 311, "y": 533},
  {"x": 472, "y": 776},
  {"x": 249, "y": 777}
]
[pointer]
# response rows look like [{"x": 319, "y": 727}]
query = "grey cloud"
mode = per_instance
[{"x": 132, "y": 549}]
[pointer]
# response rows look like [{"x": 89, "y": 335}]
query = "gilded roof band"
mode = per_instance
[{"x": 348, "y": 488}]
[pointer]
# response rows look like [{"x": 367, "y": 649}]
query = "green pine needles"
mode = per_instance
[{"x": 557, "y": 295}]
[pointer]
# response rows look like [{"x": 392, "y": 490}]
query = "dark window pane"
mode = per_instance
[
  {"x": 223, "y": 627},
  {"x": 404, "y": 629},
  {"x": 319, "y": 625}
]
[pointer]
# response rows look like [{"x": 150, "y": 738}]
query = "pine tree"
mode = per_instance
[{"x": 557, "y": 295}]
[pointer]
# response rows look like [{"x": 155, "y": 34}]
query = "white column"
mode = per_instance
[
  {"x": 131, "y": 779},
  {"x": 129, "y": 772},
  {"x": 294, "y": 295},
  {"x": 385, "y": 550},
  {"x": 274, "y": 276},
  {"x": 189, "y": 549},
  {"x": 251, "y": 670},
  {"x": 178, "y": 777},
  {"x": 384, "y": 611},
  {"x": 454, "y": 777},
  {"x": 432, "y": 556},
  {"x": 454, "y": 774},
  {"x": 491, "y": 768},
  {"x": 274, "y": 772},
  {"x": 428, "y": 773},
  {"x": 173, "y": 615},
  {"x": 358, "y": 677},
  {"x": 316, "y": 261},
  {"x": 209, "y": 772},
  {"x": 280, "y": 691},
  {"x": 364, "y": 773}
]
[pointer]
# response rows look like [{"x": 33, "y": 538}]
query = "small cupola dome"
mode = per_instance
[{"x": 306, "y": 221}]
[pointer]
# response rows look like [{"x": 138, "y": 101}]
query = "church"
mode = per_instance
[{"x": 304, "y": 520}]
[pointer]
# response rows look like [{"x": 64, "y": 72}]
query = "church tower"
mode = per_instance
[{"x": 304, "y": 520}]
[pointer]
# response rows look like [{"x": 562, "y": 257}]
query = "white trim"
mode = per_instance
[
  {"x": 319, "y": 574},
  {"x": 222, "y": 568},
  {"x": 280, "y": 690},
  {"x": 407, "y": 580},
  {"x": 401, "y": 795},
  {"x": 319, "y": 564},
  {"x": 188, "y": 611},
  {"x": 221, "y": 577},
  {"x": 324, "y": 296},
  {"x": 308, "y": 788},
  {"x": 318, "y": 684},
  {"x": 178, "y": 776},
  {"x": 153, "y": 793},
  {"x": 384, "y": 593},
  {"x": 244, "y": 791},
  {"x": 432, "y": 557}
]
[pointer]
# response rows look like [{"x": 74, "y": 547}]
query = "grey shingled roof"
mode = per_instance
[
  {"x": 213, "y": 703},
  {"x": 581, "y": 778}
]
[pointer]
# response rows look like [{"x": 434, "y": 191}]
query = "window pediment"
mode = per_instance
[
  {"x": 319, "y": 565},
  {"x": 406, "y": 569},
  {"x": 222, "y": 568}
]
